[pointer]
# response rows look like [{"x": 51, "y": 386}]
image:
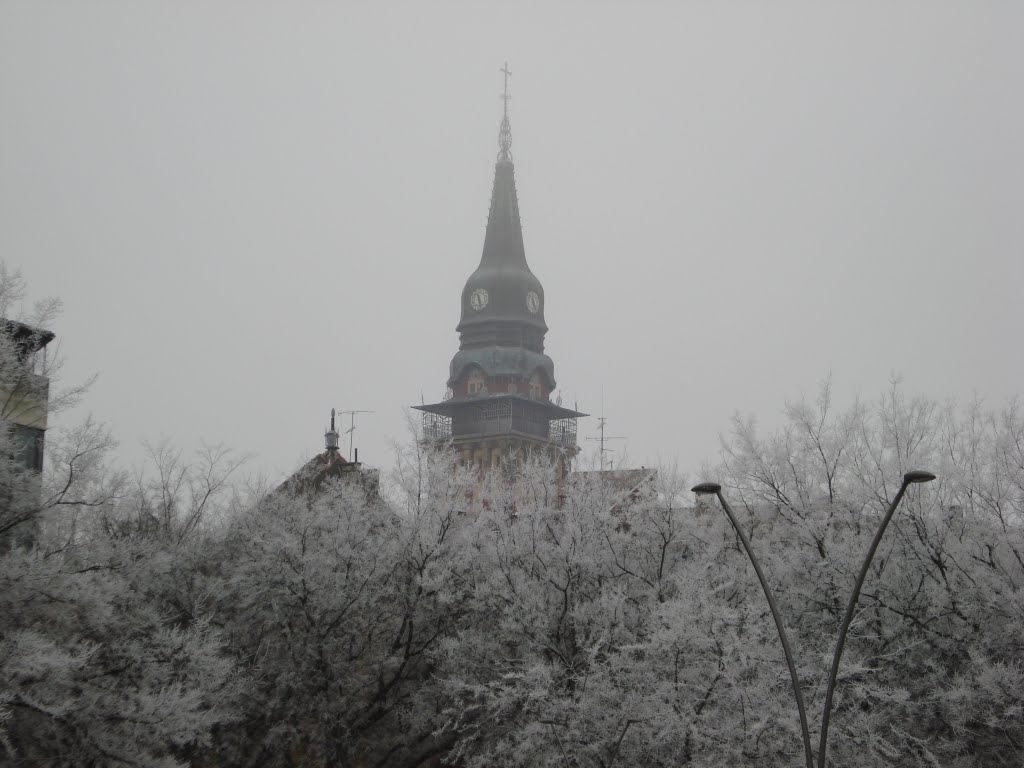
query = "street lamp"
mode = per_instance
[
  {"x": 716, "y": 490},
  {"x": 915, "y": 476}
]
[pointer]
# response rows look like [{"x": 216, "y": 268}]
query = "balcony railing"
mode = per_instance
[{"x": 439, "y": 428}]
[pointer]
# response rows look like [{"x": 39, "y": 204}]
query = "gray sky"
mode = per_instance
[{"x": 257, "y": 211}]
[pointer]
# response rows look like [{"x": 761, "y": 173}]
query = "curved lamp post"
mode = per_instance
[
  {"x": 716, "y": 489},
  {"x": 916, "y": 476}
]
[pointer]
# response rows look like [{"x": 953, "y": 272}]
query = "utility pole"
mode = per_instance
[{"x": 352, "y": 428}]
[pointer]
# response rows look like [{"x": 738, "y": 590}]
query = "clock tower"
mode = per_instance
[{"x": 498, "y": 403}]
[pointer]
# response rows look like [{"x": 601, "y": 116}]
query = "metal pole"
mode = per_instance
[
  {"x": 351, "y": 433},
  {"x": 910, "y": 477},
  {"x": 716, "y": 489}
]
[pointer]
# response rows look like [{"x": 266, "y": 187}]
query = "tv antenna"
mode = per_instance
[
  {"x": 352, "y": 428},
  {"x": 603, "y": 438}
]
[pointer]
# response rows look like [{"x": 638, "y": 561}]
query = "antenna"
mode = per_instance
[
  {"x": 603, "y": 438},
  {"x": 352, "y": 428}
]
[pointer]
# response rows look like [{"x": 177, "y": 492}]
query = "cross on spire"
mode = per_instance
[
  {"x": 505, "y": 132},
  {"x": 505, "y": 97}
]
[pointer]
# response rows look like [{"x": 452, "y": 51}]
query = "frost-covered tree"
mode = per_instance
[
  {"x": 516, "y": 619},
  {"x": 608, "y": 631},
  {"x": 605, "y": 634},
  {"x": 96, "y": 668},
  {"x": 338, "y": 603},
  {"x": 941, "y": 613}
]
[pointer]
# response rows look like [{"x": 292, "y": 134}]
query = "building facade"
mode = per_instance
[{"x": 24, "y": 388}]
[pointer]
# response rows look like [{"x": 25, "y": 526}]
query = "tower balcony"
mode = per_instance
[{"x": 500, "y": 415}]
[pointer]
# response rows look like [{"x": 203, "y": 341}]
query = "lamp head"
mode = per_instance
[
  {"x": 704, "y": 489},
  {"x": 918, "y": 476}
]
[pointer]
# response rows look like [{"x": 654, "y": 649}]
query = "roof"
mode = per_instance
[
  {"x": 628, "y": 482},
  {"x": 325, "y": 466},
  {"x": 502, "y": 361},
  {"x": 26, "y": 336},
  {"x": 455, "y": 404},
  {"x": 502, "y": 290}
]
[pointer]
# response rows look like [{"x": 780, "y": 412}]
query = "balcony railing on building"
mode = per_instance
[{"x": 500, "y": 415}]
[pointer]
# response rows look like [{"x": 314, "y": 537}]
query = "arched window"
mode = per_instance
[
  {"x": 535, "y": 387},
  {"x": 475, "y": 382}
]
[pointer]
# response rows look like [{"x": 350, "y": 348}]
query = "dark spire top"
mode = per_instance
[
  {"x": 503, "y": 301},
  {"x": 502, "y": 326},
  {"x": 505, "y": 132}
]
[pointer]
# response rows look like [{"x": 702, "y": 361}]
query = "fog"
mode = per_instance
[{"x": 255, "y": 212}]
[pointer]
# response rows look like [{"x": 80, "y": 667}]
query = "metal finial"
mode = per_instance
[
  {"x": 505, "y": 97},
  {"x": 505, "y": 132},
  {"x": 332, "y": 419}
]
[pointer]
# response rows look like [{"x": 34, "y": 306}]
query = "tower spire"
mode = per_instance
[
  {"x": 505, "y": 132},
  {"x": 500, "y": 381}
]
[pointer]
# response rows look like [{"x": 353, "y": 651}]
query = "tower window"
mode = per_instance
[
  {"x": 535, "y": 387},
  {"x": 475, "y": 383}
]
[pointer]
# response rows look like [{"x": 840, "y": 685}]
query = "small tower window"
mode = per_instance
[
  {"x": 535, "y": 387},
  {"x": 475, "y": 383}
]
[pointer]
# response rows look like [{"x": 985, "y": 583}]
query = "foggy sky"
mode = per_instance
[{"x": 255, "y": 212}]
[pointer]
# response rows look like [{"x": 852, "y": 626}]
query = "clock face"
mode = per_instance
[
  {"x": 533, "y": 302},
  {"x": 478, "y": 299}
]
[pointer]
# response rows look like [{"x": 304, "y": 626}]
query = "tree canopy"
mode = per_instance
[{"x": 169, "y": 616}]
